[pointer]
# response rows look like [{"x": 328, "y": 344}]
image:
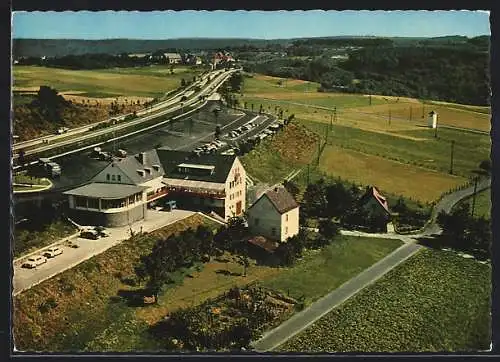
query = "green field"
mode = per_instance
[
  {"x": 420, "y": 149},
  {"x": 436, "y": 301},
  {"x": 152, "y": 81},
  {"x": 86, "y": 313},
  {"x": 320, "y": 272}
]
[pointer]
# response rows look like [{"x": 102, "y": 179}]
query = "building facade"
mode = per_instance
[
  {"x": 210, "y": 183},
  {"x": 274, "y": 215}
]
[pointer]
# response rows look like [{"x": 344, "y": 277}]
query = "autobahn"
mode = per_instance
[{"x": 161, "y": 109}]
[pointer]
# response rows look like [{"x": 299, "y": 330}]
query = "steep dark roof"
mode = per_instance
[
  {"x": 171, "y": 159},
  {"x": 281, "y": 199},
  {"x": 129, "y": 166},
  {"x": 372, "y": 192}
]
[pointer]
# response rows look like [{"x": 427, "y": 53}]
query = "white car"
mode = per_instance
[
  {"x": 52, "y": 252},
  {"x": 34, "y": 261}
]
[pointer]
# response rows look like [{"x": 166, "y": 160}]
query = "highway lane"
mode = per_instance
[
  {"x": 175, "y": 97},
  {"x": 209, "y": 88}
]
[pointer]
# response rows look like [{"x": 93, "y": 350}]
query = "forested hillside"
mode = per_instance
[{"x": 456, "y": 74}]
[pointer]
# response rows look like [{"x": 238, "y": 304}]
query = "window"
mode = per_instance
[
  {"x": 119, "y": 177},
  {"x": 112, "y": 177},
  {"x": 286, "y": 230},
  {"x": 93, "y": 203},
  {"x": 80, "y": 201},
  {"x": 286, "y": 217},
  {"x": 273, "y": 231},
  {"x": 107, "y": 177}
]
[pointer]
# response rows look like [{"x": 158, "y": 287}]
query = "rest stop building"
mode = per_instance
[{"x": 121, "y": 193}]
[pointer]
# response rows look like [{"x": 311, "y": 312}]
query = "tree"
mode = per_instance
[
  {"x": 286, "y": 254},
  {"x": 314, "y": 201},
  {"x": 328, "y": 228},
  {"x": 292, "y": 188},
  {"x": 485, "y": 166},
  {"x": 183, "y": 82}
]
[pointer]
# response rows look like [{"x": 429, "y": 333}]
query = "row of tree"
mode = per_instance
[
  {"x": 455, "y": 74},
  {"x": 462, "y": 231}
]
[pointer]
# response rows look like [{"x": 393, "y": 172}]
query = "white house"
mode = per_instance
[
  {"x": 432, "y": 121},
  {"x": 274, "y": 215},
  {"x": 173, "y": 58}
]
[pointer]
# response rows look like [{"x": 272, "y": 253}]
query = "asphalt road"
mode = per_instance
[{"x": 302, "y": 320}]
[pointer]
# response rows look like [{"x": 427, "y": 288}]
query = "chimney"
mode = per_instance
[{"x": 142, "y": 158}]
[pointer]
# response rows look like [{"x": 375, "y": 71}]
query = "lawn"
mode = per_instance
[
  {"x": 273, "y": 159},
  {"x": 151, "y": 81},
  {"x": 411, "y": 309},
  {"x": 88, "y": 316},
  {"x": 82, "y": 296},
  {"x": 299, "y": 97},
  {"x": 322, "y": 271},
  {"x": 483, "y": 204},
  {"x": 416, "y": 147},
  {"x": 394, "y": 177},
  {"x": 26, "y": 241}
]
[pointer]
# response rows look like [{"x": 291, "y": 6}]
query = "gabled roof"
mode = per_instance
[
  {"x": 377, "y": 196},
  {"x": 280, "y": 198},
  {"x": 171, "y": 159},
  {"x": 131, "y": 164},
  {"x": 105, "y": 190}
]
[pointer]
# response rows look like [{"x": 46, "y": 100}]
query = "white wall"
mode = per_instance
[
  {"x": 235, "y": 189},
  {"x": 263, "y": 217},
  {"x": 289, "y": 224},
  {"x": 112, "y": 170}
]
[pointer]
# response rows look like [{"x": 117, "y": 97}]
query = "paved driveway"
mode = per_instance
[{"x": 26, "y": 278}]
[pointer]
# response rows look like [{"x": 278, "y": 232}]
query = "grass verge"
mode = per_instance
[
  {"x": 319, "y": 272},
  {"x": 436, "y": 301}
]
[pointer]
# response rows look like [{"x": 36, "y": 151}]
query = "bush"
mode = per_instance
[{"x": 49, "y": 304}]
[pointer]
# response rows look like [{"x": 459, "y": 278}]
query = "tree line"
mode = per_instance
[{"x": 454, "y": 74}]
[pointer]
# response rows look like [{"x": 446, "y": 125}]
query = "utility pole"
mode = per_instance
[
  {"x": 370, "y": 99},
  {"x": 335, "y": 113},
  {"x": 331, "y": 121},
  {"x": 410, "y": 113},
  {"x": 451, "y": 156},
  {"x": 436, "y": 131},
  {"x": 423, "y": 110},
  {"x": 474, "y": 195}
]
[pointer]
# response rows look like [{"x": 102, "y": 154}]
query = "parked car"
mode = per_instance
[
  {"x": 52, "y": 252},
  {"x": 89, "y": 234},
  {"x": 34, "y": 261}
]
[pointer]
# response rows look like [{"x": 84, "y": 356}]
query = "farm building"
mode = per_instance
[
  {"x": 173, "y": 58},
  {"x": 121, "y": 192},
  {"x": 274, "y": 215},
  {"x": 376, "y": 205}
]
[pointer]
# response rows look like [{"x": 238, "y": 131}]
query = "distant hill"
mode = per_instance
[{"x": 62, "y": 47}]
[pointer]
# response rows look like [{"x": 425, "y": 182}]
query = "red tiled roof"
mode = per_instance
[
  {"x": 267, "y": 245},
  {"x": 380, "y": 198}
]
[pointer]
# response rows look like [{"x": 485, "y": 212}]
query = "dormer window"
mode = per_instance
[
  {"x": 141, "y": 173},
  {"x": 148, "y": 170},
  {"x": 156, "y": 168}
]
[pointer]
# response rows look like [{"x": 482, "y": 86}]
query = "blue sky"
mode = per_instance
[{"x": 246, "y": 24}]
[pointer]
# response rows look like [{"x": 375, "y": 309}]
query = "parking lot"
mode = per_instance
[{"x": 87, "y": 248}]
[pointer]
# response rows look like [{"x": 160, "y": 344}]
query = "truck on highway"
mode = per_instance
[{"x": 50, "y": 168}]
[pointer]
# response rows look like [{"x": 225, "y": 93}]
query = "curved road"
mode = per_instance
[{"x": 298, "y": 322}]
